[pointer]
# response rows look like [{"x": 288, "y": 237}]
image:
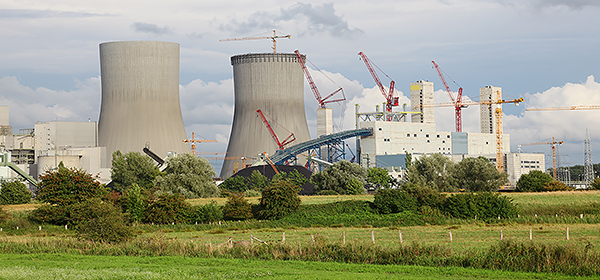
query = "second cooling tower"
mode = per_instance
[
  {"x": 274, "y": 83},
  {"x": 140, "y": 98}
]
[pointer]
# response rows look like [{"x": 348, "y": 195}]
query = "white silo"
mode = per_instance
[
  {"x": 274, "y": 83},
  {"x": 140, "y": 98}
]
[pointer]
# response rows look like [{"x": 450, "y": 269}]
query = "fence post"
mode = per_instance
[
  {"x": 40, "y": 228},
  {"x": 313, "y": 238},
  {"x": 65, "y": 227},
  {"x": 343, "y": 237},
  {"x": 283, "y": 238},
  {"x": 567, "y": 233},
  {"x": 530, "y": 234},
  {"x": 373, "y": 236},
  {"x": 400, "y": 236},
  {"x": 450, "y": 233},
  {"x": 581, "y": 216},
  {"x": 501, "y": 235}
]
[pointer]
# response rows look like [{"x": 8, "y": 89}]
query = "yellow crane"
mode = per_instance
[
  {"x": 554, "y": 143},
  {"x": 194, "y": 141},
  {"x": 575, "y": 107},
  {"x": 273, "y": 38},
  {"x": 497, "y": 113}
]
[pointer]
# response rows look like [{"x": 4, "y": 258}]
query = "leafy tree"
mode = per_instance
[
  {"x": 388, "y": 201},
  {"x": 237, "y": 207},
  {"x": 166, "y": 209},
  {"x": 207, "y": 213},
  {"x": 235, "y": 184},
  {"x": 533, "y": 181},
  {"x": 133, "y": 203},
  {"x": 132, "y": 168},
  {"x": 425, "y": 196},
  {"x": 279, "y": 199},
  {"x": 379, "y": 177},
  {"x": 101, "y": 221},
  {"x": 477, "y": 175},
  {"x": 14, "y": 192},
  {"x": 339, "y": 177},
  {"x": 258, "y": 181},
  {"x": 434, "y": 171},
  {"x": 67, "y": 186},
  {"x": 188, "y": 175}
]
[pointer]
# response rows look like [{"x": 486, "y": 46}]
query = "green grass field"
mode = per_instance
[{"x": 67, "y": 266}]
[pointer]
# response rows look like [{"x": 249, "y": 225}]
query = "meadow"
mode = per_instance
[{"x": 339, "y": 232}]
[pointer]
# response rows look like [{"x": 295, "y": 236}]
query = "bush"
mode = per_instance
[
  {"x": 133, "y": 203},
  {"x": 483, "y": 206},
  {"x": 235, "y": 184},
  {"x": 237, "y": 207},
  {"x": 101, "y": 221},
  {"x": 425, "y": 196},
  {"x": 166, "y": 209},
  {"x": 207, "y": 213},
  {"x": 556, "y": 186},
  {"x": 388, "y": 201},
  {"x": 533, "y": 181},
  {"x": 14, "y": 192},
  {"x": 50, "y": 214},
  {"x": 279, "y": 199},
  {"x": 67, "y": 186}
]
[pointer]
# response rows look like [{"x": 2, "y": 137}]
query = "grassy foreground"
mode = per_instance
[{"x": 67, "y": 266}]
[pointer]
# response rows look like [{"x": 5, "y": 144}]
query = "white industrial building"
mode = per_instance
[{"x": 390, "y": 142}]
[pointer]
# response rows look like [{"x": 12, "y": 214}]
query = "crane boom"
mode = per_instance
[
  {"x": 389, "y": 96},
  {"x": 575, "y": 107},
  {"x": 280, "y": 144},
  {"x": 457, "y": 103},
  {"x": 194, "y": 141},
  {"x": 554, "y": 143},
  {"x": 322, "y": 101},
  {"x": 274, "y": 38}
]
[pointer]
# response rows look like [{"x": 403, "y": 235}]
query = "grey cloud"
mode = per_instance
[
  {"x": 320, "y": 19},
  {"x": 151, "y": 28},
  {"x": 26, "y": 13},
  {"x": 542, "y": 4}
]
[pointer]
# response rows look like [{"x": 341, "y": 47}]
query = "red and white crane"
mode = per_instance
[
  {"x": 322, "y": 101},
  {"x": 389, "y": 96},
  {"x": 280, "y": 144},
  {"x": 457, "y": 103}
]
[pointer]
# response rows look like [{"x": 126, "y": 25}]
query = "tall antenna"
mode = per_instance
[{"x": 588, "y": 164}]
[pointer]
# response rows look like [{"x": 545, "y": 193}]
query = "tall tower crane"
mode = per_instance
[
  {"x": 194, "y": 141},
  {"x": 273, "y": 38},
  {"x": 554, "y": 143},
  {"x": 457, "y": 103},
  {"x": 322, "y": 101},
  {"x": 280, "y": 144},
  {"x": 389, "y": 96},
  {"x": 498, "y": 114}
]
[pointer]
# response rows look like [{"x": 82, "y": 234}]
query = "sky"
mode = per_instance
[{"x": 545, "y": 51}]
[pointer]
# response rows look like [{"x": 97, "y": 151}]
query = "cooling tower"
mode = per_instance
[
  {"x": 274, "y": 83},
  {"x": 140, "y": 98}
]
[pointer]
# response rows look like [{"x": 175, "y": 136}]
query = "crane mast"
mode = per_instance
[
  {"x": 554, "y": 143},
  {"x": 280, "y": 144},
  {"x": 322, "y": 101},
  {"x": 457, "y": 103},
  {"x": 389, "y": 96},
  {"x": 194, "y": 141}
]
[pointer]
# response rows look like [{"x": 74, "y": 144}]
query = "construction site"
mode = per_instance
[{"x": 141, "y": 112}]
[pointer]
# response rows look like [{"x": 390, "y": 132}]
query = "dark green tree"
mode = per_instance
[
  {"x": 434, "y": 171},
  {"x": 14, "y": 192},
  {"x": 534, "y": 181},
  {"x": 67, "y": 186},
  {"x": 134, "y": 203},
  {"x": 237, "y": 207},
  {"x": 234, "y": 184},
  {"x": 478, "y": 175},
  {"x": 101, "y": 221},
  {"x": 188, "y": 175},
  {"x": 167, "y": 209},
  {"x": 279, "y": 199},
  {"x": 379, "y": 178},
  {"x": 339, "y": 177},
  {"x": 132, "y": 168},
  {"x": 258, "y": 181}
]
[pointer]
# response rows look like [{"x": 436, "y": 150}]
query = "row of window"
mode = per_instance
[{"x": 526, "y": 161}]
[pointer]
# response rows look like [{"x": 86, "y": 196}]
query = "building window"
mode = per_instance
[
  {"x": 407, "y": 134},
  {"x": 443, "y": 141},
  {"x": 438, "y": 136},
  {"x": 427, "y": 135},
  {"x": 447, "y": 136},
  {"x": 427, "y": 141},
  {"x": 415, "y": 135},
  {"x": 486, "y": 143},
  {"x": 380, "y": 129}
]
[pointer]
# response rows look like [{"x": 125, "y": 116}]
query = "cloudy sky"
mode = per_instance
[{"x": 543, "y": 50}]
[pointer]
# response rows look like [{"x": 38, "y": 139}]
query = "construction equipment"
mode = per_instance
[
  {"x": 575, "y": 107},
  {"x": 274, "y": 38},
  {"x": 322, "y": 101},
  {"x": 194, "y": 141},
  {"x": 280, "y": 144},
  {"x": 497, "y": 113},
  {"x": 554, "y": 143},
  {"x": 266, "y": 158},
  {"x": 457, "y": 103},
  {"x": 390, "y": 100}
]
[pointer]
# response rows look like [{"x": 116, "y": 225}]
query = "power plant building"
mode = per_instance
[
  {"x": 140, "y": 98},
  {"x": 273, "y": 83}
]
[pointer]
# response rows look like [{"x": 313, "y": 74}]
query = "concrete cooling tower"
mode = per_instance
[
  {"x": 140, "y": 98},
  {"x": 274, "y": 83}
]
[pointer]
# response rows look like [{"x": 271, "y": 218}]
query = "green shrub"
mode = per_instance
[
  {"x": 425, "y": 195},
  {"x": 355, "y": 187},
  {"x": 252, "y": 193},
  {"x": 482, "y": 205},
  {"x": 50, "y": 214},
  {"x": 556, "y": 186},
  {"x": 279, "y": 199},
  {"x": 237, "y": 207},
  {"x": 234, "y": 184},
  {"x": 167, "y": 209},
  {"x": 14, "y": 192},
  {"x": 207, "y": 213},
  {"x": 533, "y": 181},
  {"x": 389, "y": 201},
  {"x": 66, "y": 186},
  {"x": 328, "y": 192},
  {"x": 133, "y": 203},
  {"x": 101, "y": 221}
]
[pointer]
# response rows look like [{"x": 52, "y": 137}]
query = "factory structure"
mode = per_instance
[{"x": 141, "y": 108}]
